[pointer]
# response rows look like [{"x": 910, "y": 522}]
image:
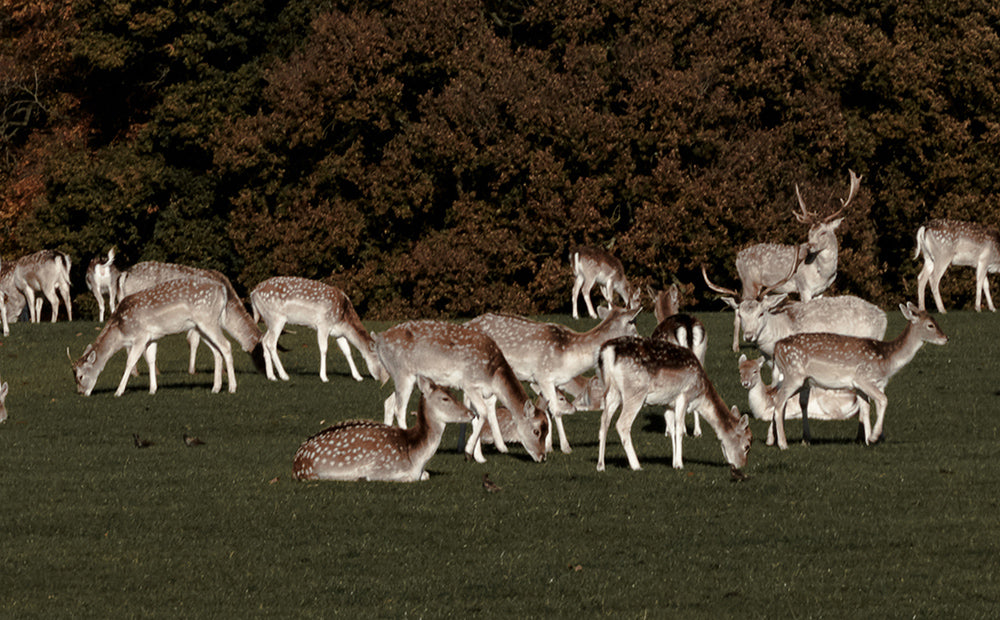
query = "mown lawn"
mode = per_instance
[{"x": 93, "y": 526}]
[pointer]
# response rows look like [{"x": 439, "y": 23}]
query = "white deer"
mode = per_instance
[
  {"x": 300, "y": 301},
  {"x": 596, "y": 266},
  {"x": 367, "y": 450},
  {"x": 102, "y": 279},
  {"x": 952, "y": 242},
  {"x": 765, "y": 265},
  {"x": 239, "y": 324},
  {"x": 45, "y": 272},
  {"x": 12, "y": 302},
  {"x": 835, "y": 361},
  {"x": 549, "y": 354},
  {"x": 465, "y": 358},
  {"x": 643, "y": 371},
  {"x": 823, "y": 404},
  {"x": 145, "y": 317}
]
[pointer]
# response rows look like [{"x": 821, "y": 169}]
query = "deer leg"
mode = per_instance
[
  {"x": 100, "y": 305},
  {"x": 630, "y": 409},
  {"x": 473, "y": 447},
  {"x": 269, "y": 342},
  {"x": 612, "y": 400},
  {"x": 736, "y": 332},
  {"x": 53, "y": 299},
  {"x": 134, "y": 353},
  {"x": 558, "y": 407},
  {"x": 63, "y": 290},
  {"x": 587, "y": 288},
  {"x": 881, "y": 402},
  {"x": 938, "y": 273},
  {"x": 577, "y": 286},
  {"x": 983, "y": 286},
  {"x": 804, "y": 405},
  {"x": 922, "y": 279},
  {"x": 680, "y": 408},
  {"x": 150, "y": 356},
  {"x": 29, "y": 296},
  {"x": 345, "y": 348},
  {"x": 193, "y": 339},
  {"x": 697, "y": 424},
  {"x": 404, "y": 388},
  {"x": 220, "y": 345},
  {"x": 788, "y": 389},
  {"x": 864, "y": 419}
]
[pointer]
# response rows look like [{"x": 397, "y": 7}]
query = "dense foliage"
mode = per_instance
[{"x": 443, "y": 157}]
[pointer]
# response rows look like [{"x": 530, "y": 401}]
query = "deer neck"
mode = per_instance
[
  {"x": 424, "y": 437},
  {"x": 107, "y": 343},
  {"x": 761, "y": 400},
  {"x": 713, "y": 409},
  {"x": 900, "y": 351}
]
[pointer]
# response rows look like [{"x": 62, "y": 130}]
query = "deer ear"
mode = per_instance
[
  {"x": 743, "y": 357},
  {"x": 731, "y": 302},
  {"x": 424, "y": 384},
  {"x": 603, "y": 311}
]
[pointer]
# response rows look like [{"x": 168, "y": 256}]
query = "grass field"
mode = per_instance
[{"x": 93, "y": 526}]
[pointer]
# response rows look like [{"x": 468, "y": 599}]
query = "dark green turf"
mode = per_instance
[{"x": 93, "y": 526}]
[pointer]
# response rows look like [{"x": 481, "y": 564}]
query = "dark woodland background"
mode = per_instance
[{"x": 442, "y": 157}]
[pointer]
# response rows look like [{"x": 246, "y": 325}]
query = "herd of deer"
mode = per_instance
[{"x": 828, "y": 354}]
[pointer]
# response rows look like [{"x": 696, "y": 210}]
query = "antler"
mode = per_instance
[
  {"x": 716, "y": 287},
  {"x": 808, "y": 218},
  {"x": 795, "y": 267}
]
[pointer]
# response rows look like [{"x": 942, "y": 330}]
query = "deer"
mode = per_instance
[
  {"x": 822, "y": 404},
  {"x": 369, "y": 450},
  {"x": 642, "y": 371},
  {"x": 142, "y": 318},
  {"x": 461, "y": 357},
  {"x": 964, "y": 244},
  {"x": 549, "y": 354},
  {"x": 326, "y": 309},
  {"x": 102, "y": 279},
  {"x": 683, "y": 330},
  {"x": 762, "y": 266},
  {"x": 773, "y": 319},
  {"x": 239, "y": 324},
  {"x": 835, "y": 361},
  {"x": 597, "y": 266},
  {"x": 45, "y": 272},
  {"x": 12, "y": 302}
]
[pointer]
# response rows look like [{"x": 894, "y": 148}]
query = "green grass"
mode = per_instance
[{"x": 92, "y": 526}]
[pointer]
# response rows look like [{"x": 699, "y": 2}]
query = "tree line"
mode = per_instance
[{"x": 443, "y": 157}]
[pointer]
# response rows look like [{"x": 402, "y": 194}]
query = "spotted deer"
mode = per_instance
[
  {"x": 764, "y": 265},
  {"x": 45, "y": 272},
  {"x": 549, "y": 354},
  {"x": 683, "y": 330},
  {"x": 143, "y": 318},
  {"x": 239, "y": 324},
  {"x": 597, "y": 266},
  {"x": 864, "y": 365},
  {"x": 102, "y": 279},
  {"x": 642, "y": 371},
  {"x": 965, "y": 244},
  {"x": 367, "y": 450},
  {"x": 326, "y": 309},
  {"x": 462, "y": 357},
  {"x": 822, "y": 404}
]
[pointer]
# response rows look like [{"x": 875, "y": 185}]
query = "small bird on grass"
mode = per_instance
[
  {"x": 140, "y": 442},
  {"x": 489, "y": 485},
  {"x": 191, "y": 442}
]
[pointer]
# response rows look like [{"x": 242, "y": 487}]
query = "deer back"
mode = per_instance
[{"x": 842, "y": 314}]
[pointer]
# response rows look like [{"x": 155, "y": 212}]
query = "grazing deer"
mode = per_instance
[
  {"x": 12, "y": 302},
  {"x": 465, "y": 358},
  {"x": 326, "y": 309},
  {"x": 45, "y": 272},
  {"x": 102, "y": 278},
  {"x": 239, "y": 324},
  {"x": 549, "y": 354},
  {"x": 965, "y": 244},
  {"x": 835, "y": 361},
  {"x": 683, "y": 330},
  {"x": 144, "y": 317},
  {"x": 596, "y": 266},
  {"x": 815, "y": 262},
  {"x": 3, "y": 402},
  {"x": 822, "y": 404},
  {"x": 643, "y": 371},
  {"x": 772, "y": 320},
  {"x": 367, "y": 450},
  {"x": 587, "y": 392}
]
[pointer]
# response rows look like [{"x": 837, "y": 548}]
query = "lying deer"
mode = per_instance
[
  {"x": 143, "y": 318},
  {"x": 326, "y": 309},
  {"x": 822, "y": 404},
  {"x": 596, "y": 266},
  {"x": 465, "y": 358},
  {"x": 951, "y": 242},
  {"x": 835, "y": 361},
  {"x": 102, "y": 279},
  {"x": 642, "y": 371},
  {"x": 367, "y": 450},
  {"x": 549, "y": 354}
]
